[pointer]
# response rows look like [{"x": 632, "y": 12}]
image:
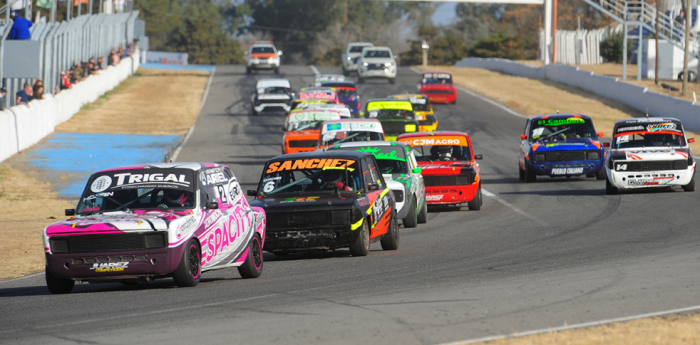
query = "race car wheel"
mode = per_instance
[
  {"x": 475, "y": 204},
  {"x": 690, "y": 187},
  {"x": 530, "y": 175},
  {"x": 253, "y": 110},
  {"x": 411, "y": 220},
  {"x": 522, "y": 173},
  {"x": 57, "y": 285},
  {"x": 392, "y": 81},
  {"x": 453, "y": 102},
  {"x": 345, "y": 72},
  {"x": 247, "y": 71},
  {"x": 188, "y": 271},
  {"x": 423, "y": 215},
  {"x": 361, "y": 245},
  {"x": 390, "y": 241},
  {"x": 609, "y": 188},
  {"x": 601, "y": 175},
  {"x": 253, "y": 265},
  {"x": 277, "y": 71}
]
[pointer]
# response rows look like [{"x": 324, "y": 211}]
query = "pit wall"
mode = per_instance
[
  {"x": 637, "y": 97},
  {"x": 22, "y": 126}
]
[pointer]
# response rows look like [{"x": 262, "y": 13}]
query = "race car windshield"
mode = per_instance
[
  {"x": 562, "y": 128},
  {"x": 340, "y": 137},
  {"x": 420, "y": 104},
  {"x": 264, "y": 50},
  {"x": 438, "y": 153},
  {"x": 274, "y": 90},
  {"x": 124, "y": 190},
  {"x": 357, "y": 49},
  {"x": 326, "y": 175},
  {"x": 377, "y": 54},
  {"x": 641, "y": 140},
  {"x": 347, "y": 93},
  {"x": 392, "y": 114},
  {"x": 304, "y": 125}
]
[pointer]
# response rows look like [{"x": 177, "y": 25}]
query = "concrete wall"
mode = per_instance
[
  {"x": 637, "y": 97},
  {"x": 22, "y": 126}
]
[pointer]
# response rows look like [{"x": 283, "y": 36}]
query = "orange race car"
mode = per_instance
[{"x": 303, "y": 127}]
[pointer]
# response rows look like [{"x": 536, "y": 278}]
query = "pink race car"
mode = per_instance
[{"x": 139, "y": 223}]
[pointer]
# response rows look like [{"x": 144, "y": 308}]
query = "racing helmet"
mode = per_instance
[
  {"x": 443, "y": 153},
  {"x": 175, "y": 196}
]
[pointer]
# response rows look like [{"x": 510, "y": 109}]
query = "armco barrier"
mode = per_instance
[
  {"x": 22, "y": 126},
  {"x": 637, "y": 97}
]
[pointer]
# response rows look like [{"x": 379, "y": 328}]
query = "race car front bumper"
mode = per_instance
[
  {"x": 450, "y": 195},
  {"x": 571, "y": 168},
  {"x": 650, "y": 179},
  {"x": 272, "y": 108},
  {"x": 322, "y": 238},
  {"x": 256, "y": 64},
  {"x": 387, "y": 72},
  {"x": 115, "y": 265}
]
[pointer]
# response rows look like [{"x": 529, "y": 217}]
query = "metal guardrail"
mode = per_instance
[{"x": 64, "y": 44}]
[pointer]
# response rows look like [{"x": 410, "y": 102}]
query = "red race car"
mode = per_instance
[
  {"x": 449, "y": 167},
  {"x": 438, "y": 87}
]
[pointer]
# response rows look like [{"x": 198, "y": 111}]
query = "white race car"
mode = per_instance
[
  {"x": 351, "y": 54},
  {"x": 272, "y": 96},
  {"x": 322, "y": 78},
  {"x": 648, "y": 153}
]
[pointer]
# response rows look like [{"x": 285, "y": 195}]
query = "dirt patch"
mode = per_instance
[
  {"x": 28, "y": 207},
  {"x": 681, "y": 329},
  {"x": 537, "y": 96},
  {"x": 149, "y": 102}
]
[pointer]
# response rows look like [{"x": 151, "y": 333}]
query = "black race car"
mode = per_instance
[
  {"x": 396, "y": 115},
  {"x": 319, "y": 201}
]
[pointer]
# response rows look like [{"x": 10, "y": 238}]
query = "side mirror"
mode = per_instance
[
  {"x": 523, "y": 136},
  {"x": 245, "y": 53},
  {"x": 600, "y": 134},
  {"x": 396, "y": 57},
  {"x": 70, "y": 212},
  {"x": 213, "y": 205},
  {"x": 373, "y": 187},
  {"x": 606, "y": 144},
  {"x": 691, "y": 140},
  {"x": 251, "y": 192},
  {"x": 417, "y": 170},
  {"x": 280, "y": 53},
  {"x": 478, "y": 157}
]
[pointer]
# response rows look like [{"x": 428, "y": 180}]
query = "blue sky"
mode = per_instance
[{"x": 445, "y": 13}]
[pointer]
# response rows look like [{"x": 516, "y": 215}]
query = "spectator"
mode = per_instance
[
  {"x": 38, "y": 92},
  {"x": 65, "y": 81},
  {"x": 122, "y": 53},
  {"x": 130, "y": 51},
  {"x": 39, "y": 83},
  {"x": 113, "y": 58},
  {"x": 24, "y": 96},
  {"x": 77, "y": 74},
  {"x": 92, "y": 68},
  {"x": 3, "y": 97},
  {"x": 20, "y": 28},
  {"x": 100, "y": 60}
]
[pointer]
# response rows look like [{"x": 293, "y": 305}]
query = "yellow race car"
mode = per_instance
[{"x": 427, "y": 120}]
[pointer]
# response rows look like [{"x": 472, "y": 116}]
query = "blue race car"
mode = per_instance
[
  {"x": 561, "y": 145},
  {"x": 347, "y": 94}
]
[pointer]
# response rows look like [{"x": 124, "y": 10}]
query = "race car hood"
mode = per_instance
[
  {"x": 445, "y": 168},
  {"x": 114, "y": 222},
  {"x": 377, "y": 60},
  {"x": 263, "y": 55},
  {"x": 650, "y": 154},
  {"x": 302, "y": 135},
  {"x": 565, "y": 145},
  {"x": 305, "y": 203},
  {"x": 437, "y": 86}
]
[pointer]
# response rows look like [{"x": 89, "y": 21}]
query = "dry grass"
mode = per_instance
[
  {"x": 28, "y": 206},
  {"x": 680, "y": 329},
  {"x": 149, "y": 102},
  {"x": 536, "y": 96}
]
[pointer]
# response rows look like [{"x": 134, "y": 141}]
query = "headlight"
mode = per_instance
[
  {"x": 348, "y": 58},
  {"x": 410, "y": 128},
  {"x": 540, "y": 157},
  {"x": 365, "y": 64},
  {"x": 594, "y": 155},
  {"x": 340, "y": 217},
  {"x": 389, "y": 64},
  {"x": 59, "y": 245}
]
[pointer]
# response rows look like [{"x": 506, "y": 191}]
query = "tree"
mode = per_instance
[
  {"x": 505, "y": 47},
  {"x": 611, "y": 47}
]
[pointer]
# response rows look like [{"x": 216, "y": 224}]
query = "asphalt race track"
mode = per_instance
[{"x": 537, "y": 255}]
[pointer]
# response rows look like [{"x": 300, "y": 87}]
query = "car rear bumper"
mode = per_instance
[
  {"x": 450, "y": 195},
  {"x": 650, "y": 179},
  {"x": 272, "y": 108},
  {"x": 441, "y": 98}
]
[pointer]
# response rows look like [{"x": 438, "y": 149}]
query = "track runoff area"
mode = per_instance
[{"x": 537, "y": 255}]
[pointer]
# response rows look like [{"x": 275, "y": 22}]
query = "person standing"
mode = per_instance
[
  {"x": 3, "y": 98},
  {"x": 24, "y": 96},
  {"x": 20, "y": 28}
]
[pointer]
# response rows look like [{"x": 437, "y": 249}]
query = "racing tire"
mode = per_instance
[
  {"x": 189, "y": 270},
  {"x": 252, "y": 110},
  {"x": 58, "y": 286},
  {"x": 690, "y": 187},
  {"x": 691, "y": 76},
  {"x": 392, "y": 81},
  {"x": 390, "y": 240},
  {"x": 247, "y": 71},
  {"x": 521, "y": 172},
  {"x": 360, "y": 247},
  {"x": 453, "y": 102},
  {"x": 277, "y": 71},
  {"x": 529, "y": 175},
  {"x": 253, "y": 265},
  {"x": 423, "y": 215},
  {"x": 475, "y": 204},
  {"x": 345, "y": 72},
  {"x": 411, "y": 220},
  {"x": 601, "y": 175},
  {"x": 609, "y": 188}
]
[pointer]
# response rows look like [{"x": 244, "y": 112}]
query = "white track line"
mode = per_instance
[
  {"x": 313, "y": 68},
  {"x": 14, "y": 279},
  {"x": 512, "y": 207},
  {"x": 575, "y": 326},
  {"x": 189, "y": 133}
]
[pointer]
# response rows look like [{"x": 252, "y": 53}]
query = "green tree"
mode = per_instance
[
  {"x": 611, "y": 47},
  {"x": 505, "y": 47}
]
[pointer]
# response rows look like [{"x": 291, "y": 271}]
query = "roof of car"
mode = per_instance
[
  {"x": 387, "y": 100},
  {"x": 273, "y": 82},
  {"x": 436, "y": 72},
  {"x": 436, "y": 133},
  {"x": 558, "y": 116},
  {"x": 262, "y": 45},
  {"x": 360, "y": 43},
  {"x": 407, "y": 95},
  {"x": 338, "y": 83},
  {"x": 316, "y": 88},
  {"x": 377, "y": 47},
  {"x": 372, "y": 143},
  {"x": 194, "y": 166},
  {"x": 646, "y": 120},
  {"x": 322, "y": 154}
]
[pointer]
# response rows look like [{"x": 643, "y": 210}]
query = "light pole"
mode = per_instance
[{"x": 425, "y": 47}]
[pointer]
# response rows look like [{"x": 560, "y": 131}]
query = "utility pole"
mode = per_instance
[
  {"x": 425, "y": 47},
  {"x": 554, "y": 31},
  {"x": 656, "y": 41},
  {"x": 687, "y": 50}
]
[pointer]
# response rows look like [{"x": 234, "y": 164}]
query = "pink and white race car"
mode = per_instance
[{"x": 139, "y": 223}]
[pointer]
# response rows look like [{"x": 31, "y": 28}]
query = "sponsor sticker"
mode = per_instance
[
  {"x": 567, "y": 171},
  {"x": 305, "y": 164},
  {"x": 668, "y": 126},
  {"x": 110, "y": 266},
  {"x": 101, "y": 184},
  {"x": 633, "y": 128},
  {"x": 302, "y": 199},
  {"x": 650, "y": 181},
  {"x": 401, "y": 105},
  {"x": 435, "y": 140},
  {"x": 434, "y": 197},
  {"x": 559, "y": 122}
]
